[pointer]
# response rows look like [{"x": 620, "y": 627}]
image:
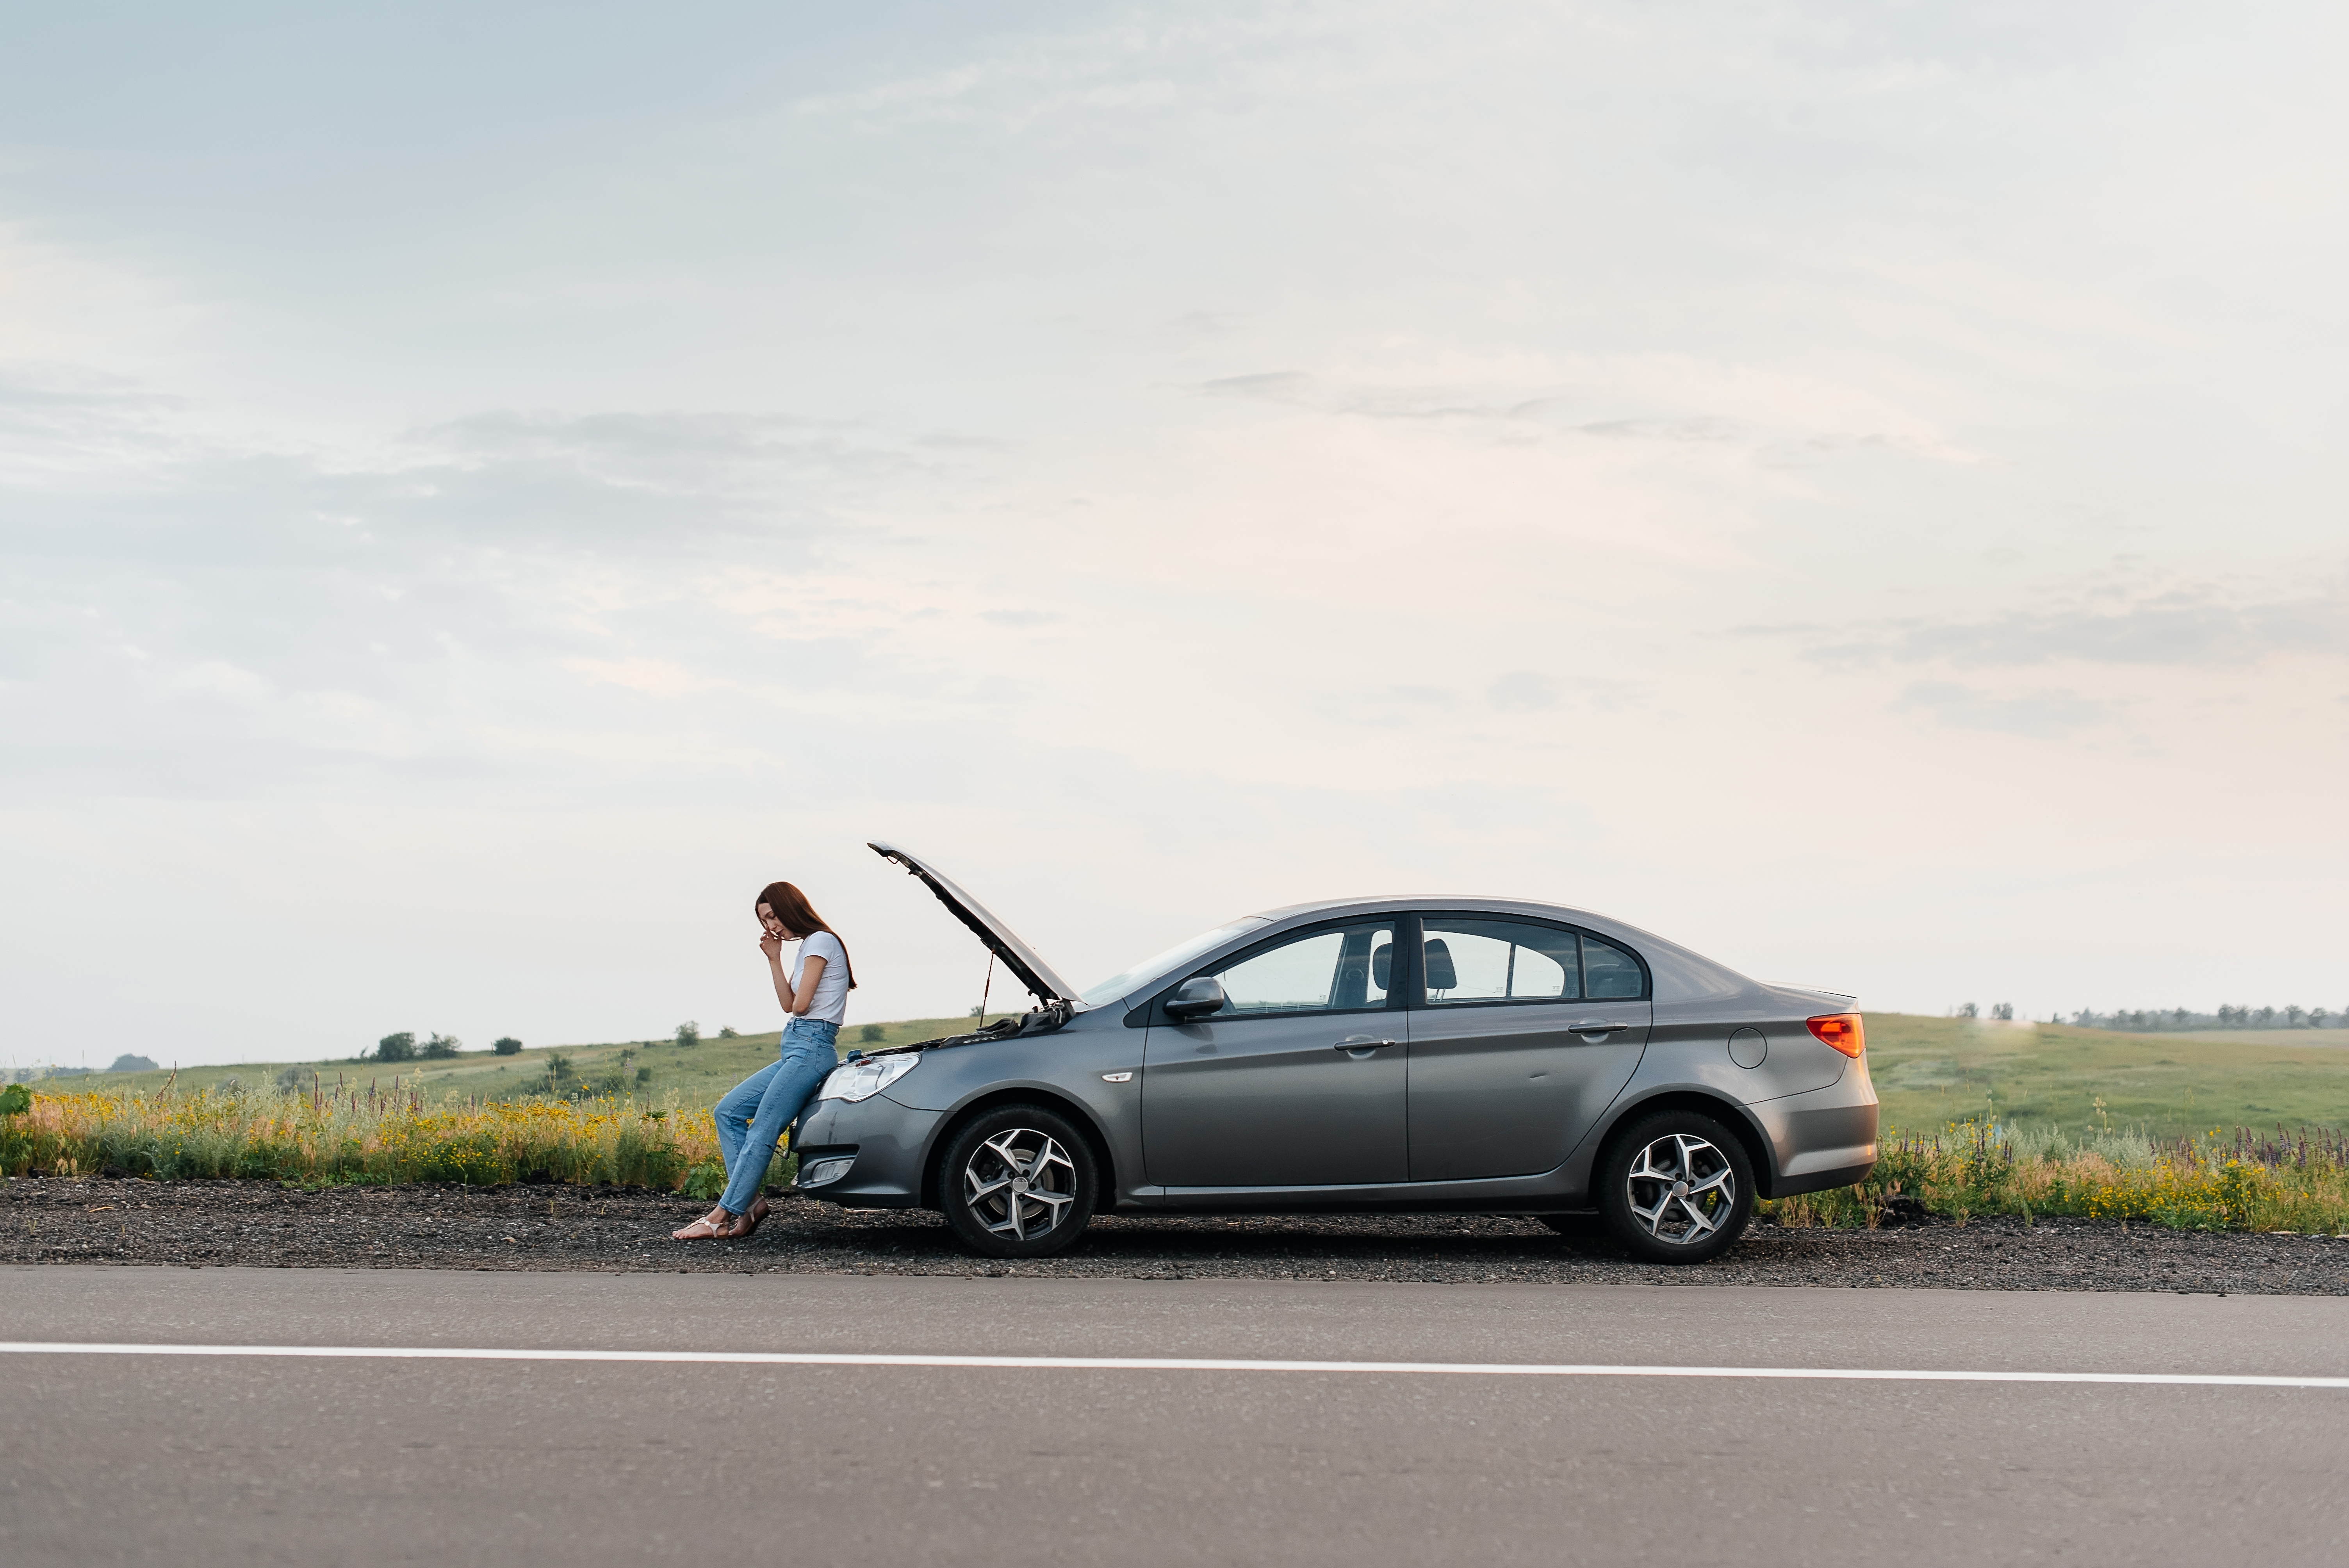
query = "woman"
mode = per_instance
[{"x": 753, "y": 1116}]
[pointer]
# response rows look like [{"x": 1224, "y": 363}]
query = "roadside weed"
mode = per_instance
[
  {"x": 2291, "y": 1182},
  {"x": 357, "y": 1135}
]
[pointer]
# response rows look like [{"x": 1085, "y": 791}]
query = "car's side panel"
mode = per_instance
[
  {"x": 1268, "y": 1102},
  {"x": 1696, "y": 1054},
  {"x": 1509, "y": 1090}
]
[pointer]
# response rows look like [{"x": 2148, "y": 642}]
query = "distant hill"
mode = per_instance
[{"x": 127, "y": 1063}]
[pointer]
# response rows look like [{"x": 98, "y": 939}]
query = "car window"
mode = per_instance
[
  {"x": 1157, "y": 963},
  {"x": 1498, "y": 961},
  {"x": 1608, "y": 972},
  {"x": 1467, "y": 959},
  {"x": 1333, "y": 969}
]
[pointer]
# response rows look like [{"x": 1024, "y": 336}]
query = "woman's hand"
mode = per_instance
[{"x": 771, "y": 945}]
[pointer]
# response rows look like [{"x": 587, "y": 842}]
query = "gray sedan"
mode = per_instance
[{"x": 1469, "y": 1055}]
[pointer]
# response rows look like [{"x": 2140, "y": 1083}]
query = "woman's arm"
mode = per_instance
[{"x": 811, "y": 971}]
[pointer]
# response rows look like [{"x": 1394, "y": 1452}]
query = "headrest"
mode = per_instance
[
  {"x": 1382, "y": 964},
  {"x": 1441, "y": 975}
]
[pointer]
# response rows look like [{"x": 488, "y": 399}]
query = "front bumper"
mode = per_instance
[{"x": 886, "y": 1143}]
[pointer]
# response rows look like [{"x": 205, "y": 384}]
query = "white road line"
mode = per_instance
[{"x": 1162, "y": 1364}]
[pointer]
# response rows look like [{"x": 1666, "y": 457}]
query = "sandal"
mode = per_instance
[
  {"x": 748, "y": 1222},
  {"x": 705, "y": 1229}
]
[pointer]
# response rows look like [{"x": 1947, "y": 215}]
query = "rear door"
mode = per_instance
[
  {"x": 1525, "y": 1033},
  {"x": 1299, "y": 1082}
]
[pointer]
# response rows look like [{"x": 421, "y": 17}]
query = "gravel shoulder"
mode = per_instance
[{"x": 260, "y": 1224}]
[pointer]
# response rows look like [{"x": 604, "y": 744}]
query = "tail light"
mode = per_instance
[{"x": 1841, "y": 1030}]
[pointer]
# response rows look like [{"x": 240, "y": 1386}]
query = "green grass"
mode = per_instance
[
  {"x": 695, "y": 1075},
  {"x": 1930, "y": 1072},
  {"x": 1980, "y": 1118},
  {"x": 2211, "y": 1183}
]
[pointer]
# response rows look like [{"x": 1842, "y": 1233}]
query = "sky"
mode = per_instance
[{"x": 1855, "y": 488}]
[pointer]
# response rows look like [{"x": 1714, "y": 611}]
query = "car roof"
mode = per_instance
[{"x": 1479, "y": 903}]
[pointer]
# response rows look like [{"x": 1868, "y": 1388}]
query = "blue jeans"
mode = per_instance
[{"x": 755, "y": 1111}]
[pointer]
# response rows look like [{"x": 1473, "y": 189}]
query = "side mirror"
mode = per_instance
[{"x": 1195, "y": 998}]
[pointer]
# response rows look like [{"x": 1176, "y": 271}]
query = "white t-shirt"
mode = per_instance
[{"x": 830, "y": 1003}]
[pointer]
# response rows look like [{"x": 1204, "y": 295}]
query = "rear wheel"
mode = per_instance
[
  {"x": 1676, "y": 1188},
  {"x": 1017, "y": 1181}
]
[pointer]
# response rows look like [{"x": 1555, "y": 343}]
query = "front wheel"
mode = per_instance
[
  {"x": 1676, "y": 1188},
  {"x": 1017, "y": 1183}
]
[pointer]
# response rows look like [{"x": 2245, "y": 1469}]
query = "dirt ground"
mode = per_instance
[{"x": 259, "y": 1225}]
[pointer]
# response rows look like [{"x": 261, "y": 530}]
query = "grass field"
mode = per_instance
[
  {"x": 1928, "y": 1072},
  {"x": 1933, "y": 1071},
  {"x": 684, "y": 1075},
  {"x": 1979, "y": 1119}
]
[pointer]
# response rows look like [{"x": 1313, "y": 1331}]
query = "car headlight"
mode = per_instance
[{"x": 864, "y": 1080}]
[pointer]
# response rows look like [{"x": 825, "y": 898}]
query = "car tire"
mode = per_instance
[
  {"x": 1017, "y": 1181},
  {"x": 1676, "y": 1188}
]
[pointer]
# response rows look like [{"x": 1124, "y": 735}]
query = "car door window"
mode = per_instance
[
  {"x": 1609, "y": 974},
  {"x": 1335, "y": 969},
  {"x": 1470, "y": 960}
]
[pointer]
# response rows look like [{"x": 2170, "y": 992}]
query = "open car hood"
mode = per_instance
[{"x": 1016, "y": 955}]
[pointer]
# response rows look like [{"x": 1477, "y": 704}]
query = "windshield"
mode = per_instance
[{"x": 1159, "y": 964}]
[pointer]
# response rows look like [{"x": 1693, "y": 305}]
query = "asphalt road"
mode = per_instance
[{"x": 135, "y": 1457}]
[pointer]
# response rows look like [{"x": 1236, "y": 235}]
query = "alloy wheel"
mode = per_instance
[
  {"x": 1680, "y": 1189},
  {"x": 1019, "y": 1184}
]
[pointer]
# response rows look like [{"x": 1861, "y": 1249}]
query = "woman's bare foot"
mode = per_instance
[
  {"x": 715, "y": 1226},
  {"x": 749, "y": 1220}
]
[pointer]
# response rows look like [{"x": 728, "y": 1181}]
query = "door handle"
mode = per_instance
[
  {"x": 1595, "y": 1027},
  {"x": 1360, "y": 1043}
]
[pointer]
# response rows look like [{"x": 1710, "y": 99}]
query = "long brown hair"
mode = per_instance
[{"x": 799, "y": 917}]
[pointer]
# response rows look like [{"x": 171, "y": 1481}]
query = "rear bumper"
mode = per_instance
[
  {"x": 887, "y": 1142},
  {"x": 1820, "y": 1180},
  {"x": 1820, "y": 1139}
]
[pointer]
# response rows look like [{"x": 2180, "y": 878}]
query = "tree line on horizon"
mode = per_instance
[
  {"x": 2154, "y": 1020},
  {"x": 402, "y": 1047}
]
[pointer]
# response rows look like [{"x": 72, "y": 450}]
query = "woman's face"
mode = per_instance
[{"x": 774, "y": 927}]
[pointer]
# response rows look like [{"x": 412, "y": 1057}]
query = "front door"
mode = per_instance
[
  {"x": 1297, "y": 1082},
  {"x": 1526, "y": 1033}
]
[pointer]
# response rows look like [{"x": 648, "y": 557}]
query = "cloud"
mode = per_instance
[
  {"x": 2192, "y": 626},
  {"x": 1270, "y": 385},
  {"x": 1523, "y": 691},
  {"x": 1695, "y": 429},
  {"x": 187, "y": 610},
  {"x": 2042, "y": 715}
]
